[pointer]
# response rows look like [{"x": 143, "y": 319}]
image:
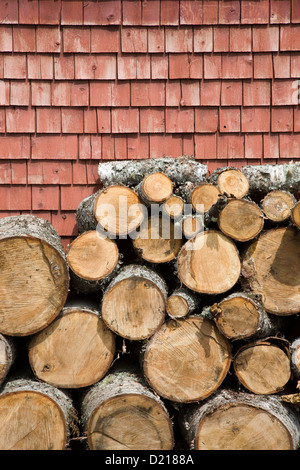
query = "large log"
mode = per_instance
[
  {"x": 75, "y": 350},
  {"x": 241, "y": 220},
  {"x": 34, "y": 275},
  {"x": 35, "y": 416},
  {"x": 94, "y": 260},
  {"x": 295, "y": 215},
  {"x": 209, "y": 263},
  {"x": 241, "y": 316},
  {"x": 8, "y": 354},
  {"x": 131, "y": 173},
  {"x": 266, "y": 178},
  {"x": 263, "y": 367},
  {"x": 232, "y": 420},
  {"x": 187, "y": 359},
  {"x": 121, "y": 413},
  {"x": 134, "y": 303},
  {"x": 116, "y": 210},
  {"x": 271, "y": 270}
]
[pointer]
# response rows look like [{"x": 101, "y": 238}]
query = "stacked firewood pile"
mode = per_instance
[{"x": 171, "y": 322}]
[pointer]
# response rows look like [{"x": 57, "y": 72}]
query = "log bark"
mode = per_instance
[
  {"x": 134, "y": 303},
  {"x": 263, "y": 367},
  {"x": 182, "y": 303},
  {"x": 230, "y": 181},
  {"x": 266, "y": 178},
  {"x": 158, "y": 240},
  {"x": 277, "y": 205},
  {"x": 75, "y": 351},
  {"x": 209, "y": 263},
  {"x": 121, "y": 413},
  {"x": 295, "y": 215},
  {"x": 241, "y": 220},
  {"x": 116, "y": 210},
  {"x": 232, "y": 420},
  {"x": 8, "y": 354},
  {"x": 131, "y": 173},
  {"x": 33, "y": 261},
  {"x": 269, "y": 269},
  {"x": 35, "y": 416},
  {"x": 242, "y": 316},
  {"x": 187, "y": 359},
  {"x": 94, "y": 260}
]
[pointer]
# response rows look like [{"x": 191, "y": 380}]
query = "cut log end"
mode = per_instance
[
  {"x": 177, "y": 306},
  {"x": 130, "y": 422},
  {"x": 263, "y": 368},
  {"x": 296, "y": 214},
  {"x": 204, "y": 196},
  {"x": 187, "y": 360},
  {"x": 191, "y": 225},
  {"x": 157, "y": 187},
  {"x": 270, "y": 270},
  {"x": 93, "y": 256},
  {"x": 118, "y": 210},
  {"x": 241, "y": 220},
  {"x": 277, "y": 205},
  {"x": 173, "y": 206},
  {"x": 33, "y": 285},
  {"x": 75, "y": 351},
  {"x": 209, "y": 263},
  {"x": 233, "y": 183}
]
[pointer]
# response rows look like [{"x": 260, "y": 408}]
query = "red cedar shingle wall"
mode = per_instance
[{"x": 89, "y": 81}]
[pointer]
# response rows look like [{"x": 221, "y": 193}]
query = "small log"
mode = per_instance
[
  {"x": 191, "y": 225},
  {"x": 263, "y": 367},
  {"x": 116, "y": 210},
  {"x": 131, "y": 173},
  {"x": 241, "y": 316},
  {"x": 95, "y": 258},
  {"x": 35, "y": 416},
  {"x": 295, "y": 358},
  {"x": 295, "y": 215},
  {"x": 75, "y": 351},
  {"x": 173, "y": 207},
  {"x": 204, "y": 196},
  {"x": 158, "y": 240},
  {"x": 182, "y": 303},
  {"x": 34, "y": 275},
  {"x": 277, "y": 205},
  {"x": 8, "y": 353},
  {"x": 134, "y": 303},
  {"x": 187, "y": 359},
  {"x": 269, "y": 269},
  {"x": 155, "y": 188},
  {"x": 241, "y": 220},
  {"x": 209, "y": 263},
  {"x": 121, "y": 413},
  {"x": 230, "y": 181},
  {"x": 266, "y": 178},
  {"x": 232, "y": 420}
]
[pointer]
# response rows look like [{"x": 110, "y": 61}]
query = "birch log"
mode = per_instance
[
  {"x": 8, "y": 354},
  {"x": 266, "y": 178},
  {"x": 35, "y": 416},
  {"x": 241, "y": 220},
  {"x": 232, "y": 420},
  {"x": 230, "y": 181},
  {"x": 121, "y": 413},
  {"x": 277, "y": 205},
  {"x": 34, "y": 275},
  {"x": 295, "y": 215}
]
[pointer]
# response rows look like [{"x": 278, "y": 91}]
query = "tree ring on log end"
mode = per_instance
[
  {"x": 277, "y": 205},
  {"x": 130, "y": 421},
  {"x": 31, "y": 420},
  {"x": 233, "y": 182},
  {"x": 92, "y": 256},
  {"x": 296, "y": 214},
  {"x": 209, "y": 263},
  {"x": 157, "y": 187},
  {"x": 34, "y": 284},
  {"x": 187, "y": 360},
  {"x": 241, "y": 220}
]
